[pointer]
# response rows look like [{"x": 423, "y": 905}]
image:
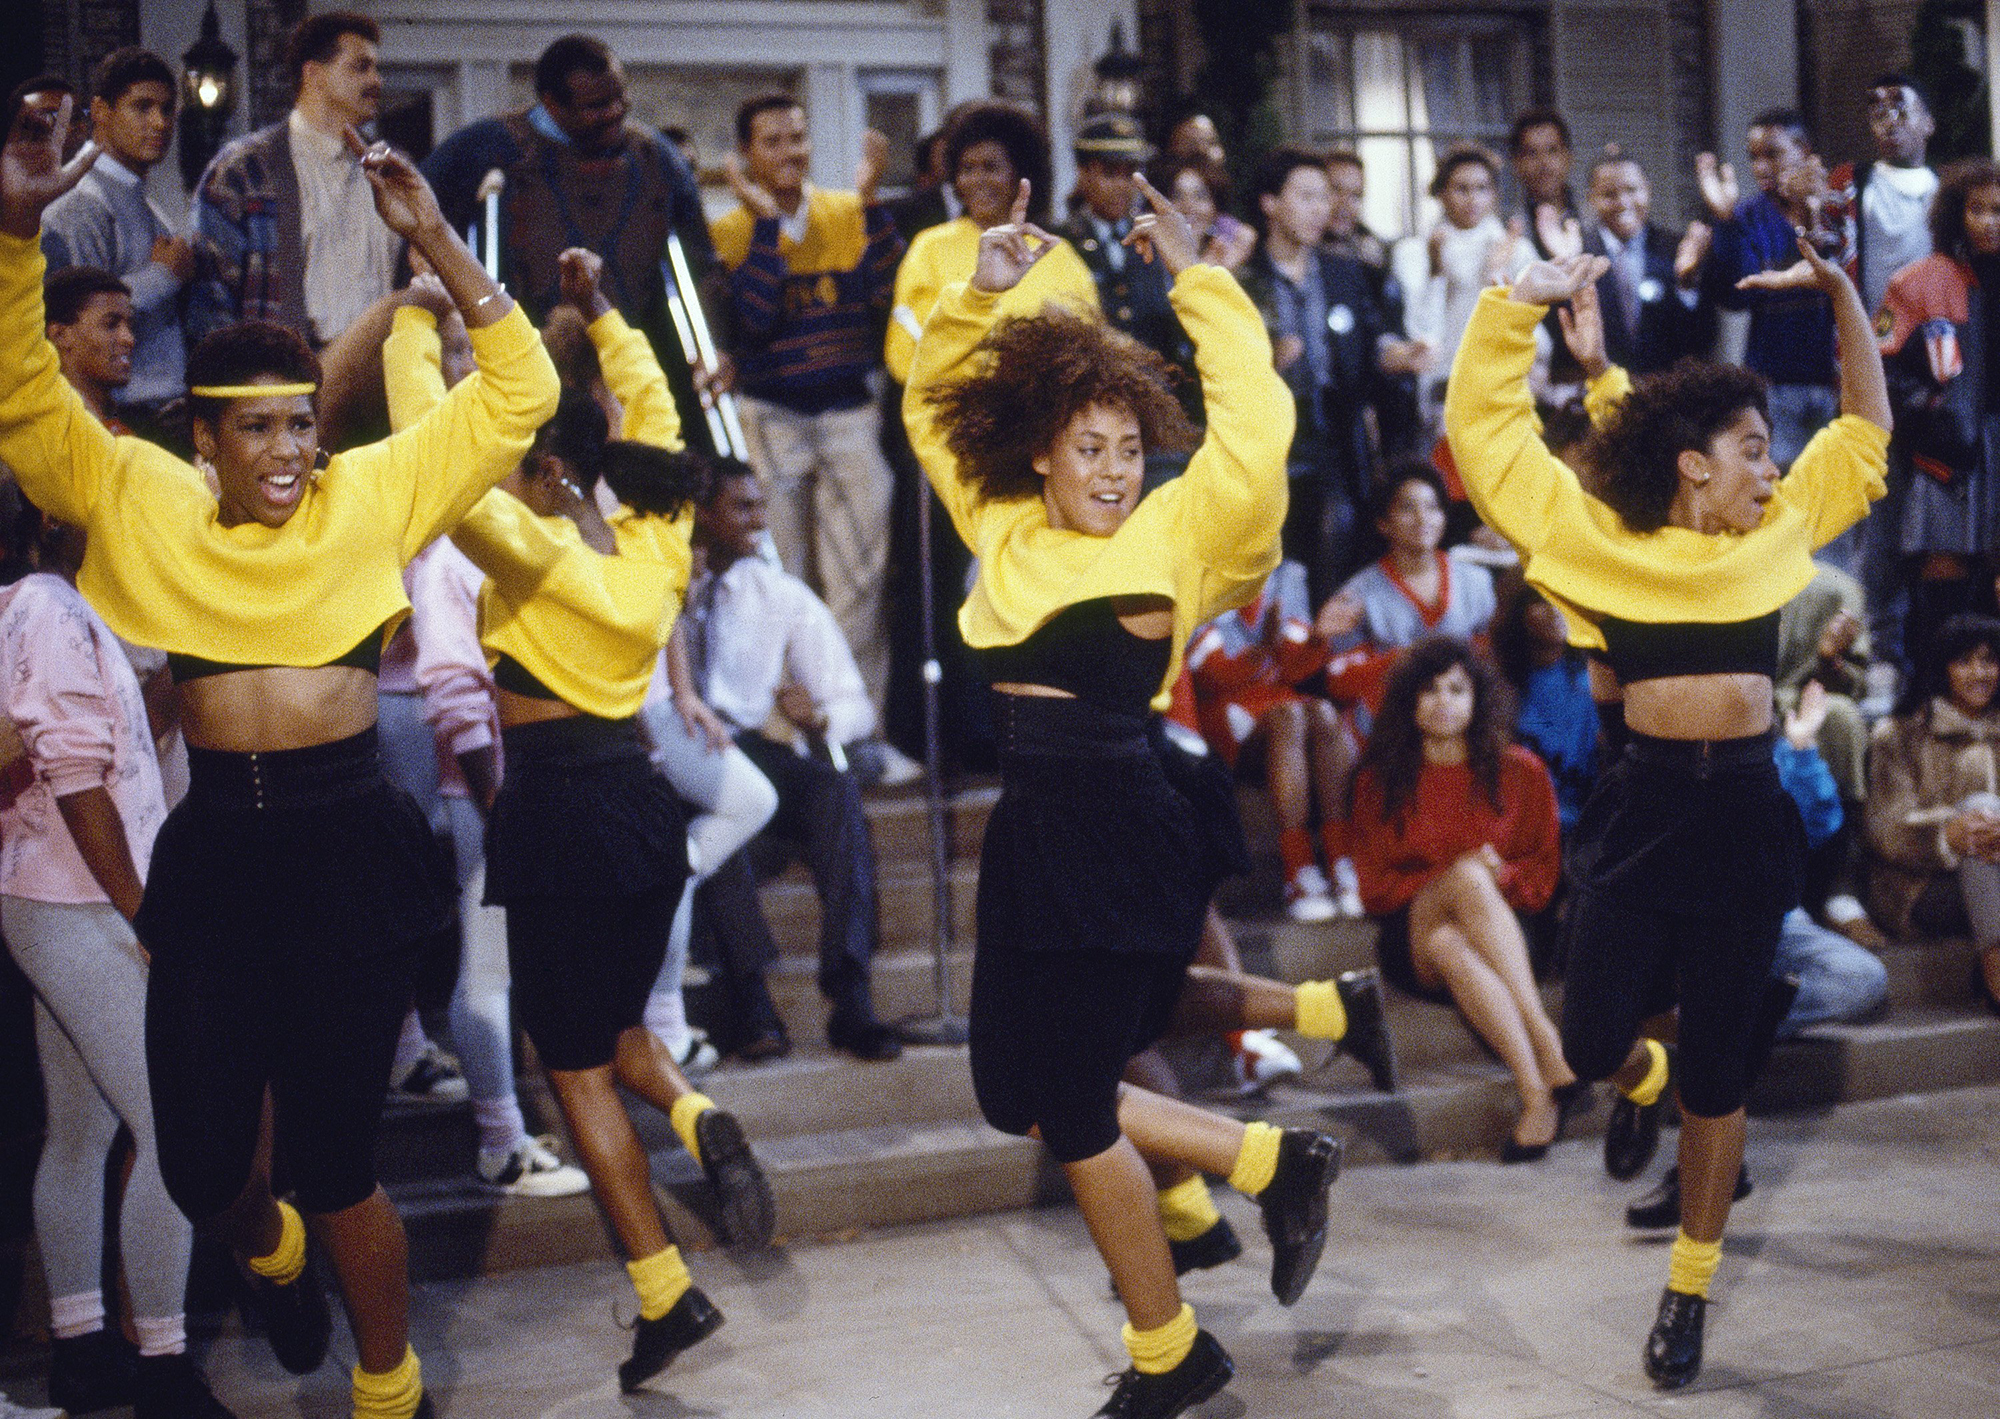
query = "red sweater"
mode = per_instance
[{"x": 1449, "y": 816}]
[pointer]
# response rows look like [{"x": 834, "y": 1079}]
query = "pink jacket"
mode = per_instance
[
  {"x": 450, "y": 667},
  {"x": 71, "y": 692}
]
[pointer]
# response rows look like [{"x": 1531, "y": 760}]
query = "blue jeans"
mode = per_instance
[{"x": 1838, "y": 980}]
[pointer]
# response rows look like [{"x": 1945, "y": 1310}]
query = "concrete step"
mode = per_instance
[
  {"x": 905, "y": 906},
  {"x": 1930, "y": 972},
  {"x": 1913, "y": 1050},
  {"x": 905, "y": 984},
  {"x": 899, "y": 822}
]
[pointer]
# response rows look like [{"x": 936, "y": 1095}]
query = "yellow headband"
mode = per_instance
[{"x": 250, "y": 391}]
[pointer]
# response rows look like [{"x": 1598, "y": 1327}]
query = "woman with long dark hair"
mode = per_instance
[
  {"x": 290, "y": 889},
  {"x": 1674, "y": 564},
  {"x": 586, "y": 846},
  {"x": 1095, "y": 876},
  {"x": 1454, "y": 836}
]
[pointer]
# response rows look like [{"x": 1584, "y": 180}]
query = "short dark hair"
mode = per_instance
[
  {"x": 1954, "y": 639},
  {"x": 1017, "y": 131},
  {"x": 1790, "y": 120},
  {"x": 119, "y": 70},
  {"x": 1635, "y": 457},
  {"x": 572, "y": 54},
  {"x": 1401, "y": 471},
  {"x": 65, "y": 293},
  {"x": 316, "y": 39},
  {"x": 1213, "y": 176},
  {"x": 747, "y": 111},
  {"x": 1956, "y": 184},
  {"x": 1344, "y": 158},
  {"x": 1534, "y": 118},
  {"x": 1612, "y": 156},
  {"x": 1277, "y": 168},
  {"x": 1898, "y": 80},
  {"x": 241, "y": 353},
  {"x": 652, "y": 480},
  {"x": 1459, "y": 156}
]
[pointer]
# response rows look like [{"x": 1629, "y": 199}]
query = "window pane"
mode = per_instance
[
  {"x": 897, "y": 117},
  {"x": 1437, "y": 63},
  {"x": 1387, "y": 203},
  {"x": 1492, "y": 73},
  {"x": 1329, "y": 85},
  {"x": 1380, "y": 90}
]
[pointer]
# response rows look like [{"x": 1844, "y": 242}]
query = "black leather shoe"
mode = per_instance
[
  {"x": 656, "y": 1342},
  {"x": 1673, "y": 1350},
  {"x": 1200, "y": 1376},
  {"x": 1294, "y": 1206},
  {"x": 864, "y": 1039},
  {"x": 749, "y": 1217},
  {"x": 1218, "y": 1246},
  {"x": 1632, "y": 1136},
  {"x": 170, "y": 1387},
  {"x": 1662, "y": 1206},
  {"x": 1367, "y": 1039},
  {"x": 1512, "y": 1152},
  {"x": 765, "y": 1044},
  {"x": 91, "y": 1372},
  {"x": 296, "y": 1320}
]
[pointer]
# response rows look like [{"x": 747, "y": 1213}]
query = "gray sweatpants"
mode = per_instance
[{"x": 90, "y": 1027}]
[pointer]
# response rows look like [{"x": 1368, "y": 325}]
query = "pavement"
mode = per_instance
[{"x": 1862, "y": 1278}]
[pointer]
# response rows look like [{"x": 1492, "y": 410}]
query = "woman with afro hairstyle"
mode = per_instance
[
  {"x": 1673, "y": 565},
  {"x": 1097, "y": 872}
]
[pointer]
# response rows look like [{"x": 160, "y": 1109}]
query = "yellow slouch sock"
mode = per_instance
[
  {"x": 1321, "y": 1016},
  {"x": 660, "y": 1279},
  {"x": 1691, "y": 1265},
  {"x": 1186, "y": 1210},
  {"x": 1257, "y": 1161},
  {"x": 284, "y": 1264},
  {"x": 394, "y": 1395},
  {"x": 1648, "y": 1090},
  {"x": 688, "y": 1108},
  {"x": 1154, "y": 1352}
]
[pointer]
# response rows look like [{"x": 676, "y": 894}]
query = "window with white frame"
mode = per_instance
[{"x": 1401, "y": 89}]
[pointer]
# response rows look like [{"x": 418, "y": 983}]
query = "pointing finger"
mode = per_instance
[{"x": 1020, "y": 213}]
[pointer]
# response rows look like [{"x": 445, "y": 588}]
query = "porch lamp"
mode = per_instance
[
  {"x": 1119, "y": 77},
  {"x": 208, "y": 97}
]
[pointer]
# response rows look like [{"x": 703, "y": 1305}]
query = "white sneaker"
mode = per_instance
[
  {"x": 529, "y": 1169},
  {"x": 1306, "y": 896},
  {"x": 432, "y": 1078},
  {"x": 11, "y": 1410},
  {"x": 698, "y": 1056},
  {"x": 898, "y": 768},
  {"x": 1347, "y": 889},
  {"x": 1260, "y": 1060}
]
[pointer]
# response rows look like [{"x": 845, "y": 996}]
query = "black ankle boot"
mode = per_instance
[
  {"x": 91, "y": 1372},
  {"x": 1662, "y": 1206},
  {"x": 749, "y": 1216},
  {"x": 170, "y": 1387},
  {"x": 656, "y": 1342},
  {"x": 1294, "y": 1207},
  {"x": 1200, "y": 1376},
  {"x": 1367, "y": 1039},
  {"x": 1673, "y": 1350},
  {"x": 296, "y": 1320},
  {"x": 1632, "y": 1135},
  {"x": 1216, "y": 1247}
]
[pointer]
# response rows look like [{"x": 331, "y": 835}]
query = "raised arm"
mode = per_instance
[
  {"x": 631, "y": 370},
  {"x": 1517, "y": 486},
  {"x": 57, "y": 448}
]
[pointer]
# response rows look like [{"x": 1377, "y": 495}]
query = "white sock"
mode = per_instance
[
  {"x": 666, "y": 1016},
  {"x": 161, "y": 1335},
  {"x": 410, "y": 1045},
  {"x": 80, "y": 1314},
  {"x": 1844, "y": 908},
  {"x": 501, "y": 1127}
]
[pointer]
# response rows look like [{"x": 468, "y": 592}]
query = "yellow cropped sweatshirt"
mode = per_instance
[
  {"x": 1580, "y": 553},
  {"x": 941, "y": 255},
  {"x": 588, "y": 626},
  {"x": 163, "y": 571},
  {"x": 1206, "y": 540}
]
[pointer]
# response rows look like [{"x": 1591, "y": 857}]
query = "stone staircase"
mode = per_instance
[{"x": 849, "y": 1145}]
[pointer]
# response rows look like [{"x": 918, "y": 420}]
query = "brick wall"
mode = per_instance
[
  {"x": 270, "y": 87},
  {"x": 78, "y": 33}
]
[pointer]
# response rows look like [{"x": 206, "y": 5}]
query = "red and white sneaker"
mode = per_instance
[
  {"x": 1258, "y": 1059},
  {"x": 1307, "y": 897}
]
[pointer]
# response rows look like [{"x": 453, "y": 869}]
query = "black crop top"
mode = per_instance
[
  {"x": 1085, "y": 650},
  {"x": 1641, "y": 650},
  {"x": 516, "y": 679},
  {"x": 365, "y": 656}
]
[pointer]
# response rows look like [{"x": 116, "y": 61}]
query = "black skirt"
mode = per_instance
[
  {"x": 1092, "y": 847},
  {"x": 582, "y": 813}
]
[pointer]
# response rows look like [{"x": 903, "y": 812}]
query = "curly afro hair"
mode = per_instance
[
  {"x": 1039, "y": 372},
  {"x": 1635, "y": 458},
  {"x": 1018, "y": 132}
]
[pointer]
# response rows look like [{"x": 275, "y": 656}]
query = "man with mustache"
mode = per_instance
[{"x": 284, "y": 228}]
